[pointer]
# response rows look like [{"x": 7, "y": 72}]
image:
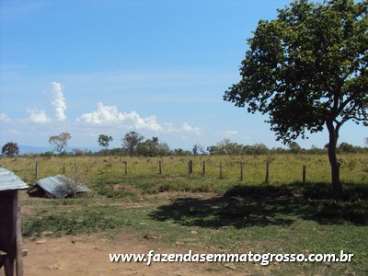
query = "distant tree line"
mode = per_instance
[
  {"x": 135, "y": 144},
  {"x": 226, "y": 147}
]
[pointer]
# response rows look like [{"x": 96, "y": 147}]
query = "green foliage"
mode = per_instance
[
  {"x": 198, "y": 149},
  {"x": 104, "y": 140},
  {"x": 231, "y": 148},
  {"x": 294, "y": 147},
  {"x": 307, "y": 68},
  {"x": 181, "y": 152},
  {"x": 152, "y": 147},
  {"x": 131, "y": 141},
  {"x": 10, "y": 149},
  {"x": 88, "y": 221},
  {"x": 346, "y": 147},
  {"x": 60, "y": 141},
  {"x": 47, "y": 154}
]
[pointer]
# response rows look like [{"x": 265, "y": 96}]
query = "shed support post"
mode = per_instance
[
  {"x": 9, "y": 266},
  {"x": 18, "y": 235}
]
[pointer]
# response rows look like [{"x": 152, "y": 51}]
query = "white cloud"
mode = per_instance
[
  {"x": 230, "y": 133},
  {"x": 38, "y": 116},
  {"x": 4, "y": 118},
  {"x": 110, "y": 115},
  {"x": 105, "y": 115},
  {"x": 58, "y": 101}
]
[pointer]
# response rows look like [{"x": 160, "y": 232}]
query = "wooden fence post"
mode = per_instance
[
  {"x": 304, "y": 173},
  {"x": 125, "y": 167},
  {"x": 159, "y": 167},
  {"x": 190, "y": 167},
  {"x": 241, "y": 171},
  {"x": 267, "y": 177},
  {"x": 220, "y": 171},
  {"x": 203, "y": 168},
  {"x": 36, "y": 169}
]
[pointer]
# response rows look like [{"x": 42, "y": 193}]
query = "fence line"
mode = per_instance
[{"x": 202, "y": 167}]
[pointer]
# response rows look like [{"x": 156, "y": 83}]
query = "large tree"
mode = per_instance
[
  {"x": 307, "y": 69},
  {"x": 131, "y": 141}
]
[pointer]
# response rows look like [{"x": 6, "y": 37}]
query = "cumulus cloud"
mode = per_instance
[
  {"x": 38, "y": 116},
  {"x": 105, "y": 115},
  {"x": 58, "y": 101},
  {"x": 110, "y": 115},
  {"x": 4, "y": 118}
]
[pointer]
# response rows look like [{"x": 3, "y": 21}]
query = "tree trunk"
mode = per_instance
[{"x": 335, "y": 166}]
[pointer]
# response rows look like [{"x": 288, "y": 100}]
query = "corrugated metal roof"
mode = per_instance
[
  {"x": 61, "y": 186},
  {"x": 9, "y": 181}
]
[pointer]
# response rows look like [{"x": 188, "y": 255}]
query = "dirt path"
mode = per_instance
[{"x": 88, "y": 255}]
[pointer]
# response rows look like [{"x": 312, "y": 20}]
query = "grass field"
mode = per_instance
[
  {"x": 144, "y": 172},
  {"x": 212, "y": 214}
]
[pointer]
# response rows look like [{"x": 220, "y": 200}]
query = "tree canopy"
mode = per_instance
[
  {"x": 104, "y": 140},
  {"x": 131, "y": 141},
  {"x": 152, "y": 147},
  {"x": 10, "y": 149},
  {"x": 60, "y": 141}
]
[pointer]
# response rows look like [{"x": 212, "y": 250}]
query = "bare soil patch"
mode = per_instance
[{"x": 88, "y": 255}]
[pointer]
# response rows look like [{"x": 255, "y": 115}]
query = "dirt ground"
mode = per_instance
[{"x": 88, "y": 255}]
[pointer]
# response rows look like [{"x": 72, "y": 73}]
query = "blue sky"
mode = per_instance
[{"x": 159, "y": 67}]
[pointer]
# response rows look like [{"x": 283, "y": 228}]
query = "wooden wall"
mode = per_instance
[{"x": 7, "y": 226}]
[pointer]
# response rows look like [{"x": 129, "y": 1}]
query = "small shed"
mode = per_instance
[
  {"x": 58, "y": 186},
  {"x": 10, "y": 223}
]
